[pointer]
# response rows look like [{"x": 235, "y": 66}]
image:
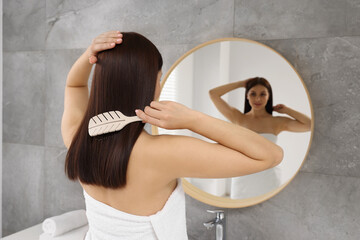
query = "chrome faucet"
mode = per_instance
[{"x": 218, "y": 222}]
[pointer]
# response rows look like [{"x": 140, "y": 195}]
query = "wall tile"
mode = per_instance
[
  {"x": 353, "y": 17},
  {"x": 58, "y": 64},
  {"x": 23, "y": 186},
  {"x": 23, "y": 104},
  {"x": 24, "y": 25},
  {"x": 171, "y": 53},
  {"x": 163, "y": 22},
  {"x": 55, "y": 8},
  {"x": 329, "y": 68},
  {"x": 282, "y": 19},
  {"x": 313, "y": 206},
  {"x": 60, "y": 194}
]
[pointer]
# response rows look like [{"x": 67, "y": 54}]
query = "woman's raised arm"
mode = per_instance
[
  {"x": 300, "y": 123},
  {"x": 231, "y": 113},
  {"x": 238, "y": 151},
  {"x": 76, "y": 89}
]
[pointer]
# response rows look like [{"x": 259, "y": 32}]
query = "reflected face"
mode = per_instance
[
  {"x": 258, "y": 96},
  {"x": 157, "y": 87}
]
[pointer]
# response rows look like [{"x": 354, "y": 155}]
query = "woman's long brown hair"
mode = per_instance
[{"x": 124, "y": 79}]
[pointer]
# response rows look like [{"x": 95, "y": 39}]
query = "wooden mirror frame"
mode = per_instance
[{"x": 223, "y": 202}]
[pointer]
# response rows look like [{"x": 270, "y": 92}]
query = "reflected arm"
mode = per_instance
[
  {"x": 228, "y": 111},
  {"x": 302, "y": 123},
  {"x": 221, "y": 90}
]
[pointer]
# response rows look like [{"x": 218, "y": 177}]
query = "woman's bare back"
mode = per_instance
[{"x": 146, "y": 190}]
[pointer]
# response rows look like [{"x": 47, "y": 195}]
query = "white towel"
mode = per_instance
[
  {"x": 66, "y": 222},
  {"x": 108, "y": 223},
  {"x": 76, "y": 234}
]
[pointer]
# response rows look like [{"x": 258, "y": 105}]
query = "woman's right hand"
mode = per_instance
[
  {"x": 103, "y": 42},
  {"x": 168, "y": 115}
]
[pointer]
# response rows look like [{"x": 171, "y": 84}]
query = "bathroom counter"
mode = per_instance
[{"x": 31, "y": 233}]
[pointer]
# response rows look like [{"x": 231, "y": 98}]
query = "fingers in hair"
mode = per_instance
[
  {"x": 157, "y": 105},
  {"x": 146, "y": 118},
  {"x": 152, "y": 112},
  {"x": 107, "y": 40}
]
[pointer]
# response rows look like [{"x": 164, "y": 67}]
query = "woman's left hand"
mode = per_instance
[
  {"x": 103, "y": 42},
  {"x": 280, "y": 108}
]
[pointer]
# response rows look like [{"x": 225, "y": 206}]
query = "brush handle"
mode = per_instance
[{"x": 133, "y": 119}]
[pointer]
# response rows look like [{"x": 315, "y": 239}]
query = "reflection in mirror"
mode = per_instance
[{"x": 276, "y": 105}]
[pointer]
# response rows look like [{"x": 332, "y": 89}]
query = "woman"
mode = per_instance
[
  {"x": 257, "y": 114},
  {"x": 258, "y": 117},
  {"x": 131, "y": 179}
]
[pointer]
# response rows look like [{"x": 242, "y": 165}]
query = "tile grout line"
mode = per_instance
[{"x": 198, "y": 43}]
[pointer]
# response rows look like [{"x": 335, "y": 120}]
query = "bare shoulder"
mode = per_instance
[
  {"x": 155, "y": 155},
  {"x": 153, "y": 149}
]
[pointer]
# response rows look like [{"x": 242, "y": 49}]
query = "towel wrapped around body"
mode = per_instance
[{"x": 107, "y": 223}]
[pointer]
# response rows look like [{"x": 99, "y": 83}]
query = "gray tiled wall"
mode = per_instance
[{"x": 321, "y": 38}]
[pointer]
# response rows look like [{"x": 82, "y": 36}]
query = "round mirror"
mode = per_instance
[{"x": 220, "y": 63}]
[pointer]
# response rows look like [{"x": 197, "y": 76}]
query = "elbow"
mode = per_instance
[
  {"x": 308, "y": 126},
  {"x": 66, "y": 142},
  {"x": 278, "y": 156},
  {"x": 212, "y": 93}
]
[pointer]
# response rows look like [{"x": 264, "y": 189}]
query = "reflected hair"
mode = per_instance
[
  {"x": 252, "y": 82},
  {"x": 124, "y": 79}
]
